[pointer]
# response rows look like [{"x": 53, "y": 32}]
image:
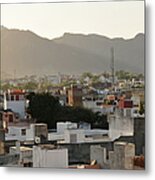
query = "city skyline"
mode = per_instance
[{"x": 73, "y": 85}]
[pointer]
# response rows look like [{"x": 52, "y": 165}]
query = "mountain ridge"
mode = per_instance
[{"x": 28, "y": 53}]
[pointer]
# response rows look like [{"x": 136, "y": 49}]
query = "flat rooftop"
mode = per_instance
[{"x": 22, "y": 148}]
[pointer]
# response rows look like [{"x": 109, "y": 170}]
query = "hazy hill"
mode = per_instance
[
  {"x": 129, "y": 54},
  {"x": 26, "y": 53}
]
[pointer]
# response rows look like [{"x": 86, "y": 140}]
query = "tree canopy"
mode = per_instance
[{"x": 45, "y": 108}]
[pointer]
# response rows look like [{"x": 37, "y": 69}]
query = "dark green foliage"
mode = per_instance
[
  {"x": 142, "y": 108},
  {"x": 75, "y": 114},
  {"x": 128, "y": 75},
  {"x": 30, "y": 86},
  {"x": 45, "y": 108},
  {"x": 100, "y": 121}
]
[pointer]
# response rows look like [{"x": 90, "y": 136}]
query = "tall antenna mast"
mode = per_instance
[{"x": 112, "y": 66}]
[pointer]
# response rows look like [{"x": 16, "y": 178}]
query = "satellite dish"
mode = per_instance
[{"x": 37, "y": 140}]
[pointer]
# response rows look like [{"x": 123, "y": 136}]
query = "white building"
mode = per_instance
[
  {"x": 122, "y": 156},
  {"x": 61, "y": 126},
  {"x": 35, "y": 132},
  {"x": 15, "y": 100},
  {"x": 97, "y": 105},
  {"x": 49, "y": 157},
  {"x": 120, "y": 124},
  {"x": 99, "y": 154},
  {"x": 16, "y": 133},
  {"x": 94, "y": 105},
  {"x": 68, "y": 132},
  {"x": 74, "y": 136}
]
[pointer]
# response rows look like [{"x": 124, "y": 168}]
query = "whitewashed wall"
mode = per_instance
[{"x": 50, "y": 158}]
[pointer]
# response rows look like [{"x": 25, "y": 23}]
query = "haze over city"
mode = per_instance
[{"x": 50, "y": 20}]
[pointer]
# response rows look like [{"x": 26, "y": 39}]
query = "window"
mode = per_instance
[
  {"x": 23, "y": 132},
  {"x": 99, "y": 103},
  {"x": 17, "y": 97},
  {"x": 12, "y": 97}
]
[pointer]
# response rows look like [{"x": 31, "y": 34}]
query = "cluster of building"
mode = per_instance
[
  {"x": 76, "y": 145},
  {"x": 73, "y": 145},
  {"x": 102, "y": 81},
  {"x": 53, "y": 79},
  {"x": 31, "y": 145}
]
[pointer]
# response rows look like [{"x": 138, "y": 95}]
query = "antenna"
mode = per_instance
[{"x": 112, "y": 66}]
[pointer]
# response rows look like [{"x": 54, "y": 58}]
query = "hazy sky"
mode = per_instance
[{"x": 112, "y": 19}]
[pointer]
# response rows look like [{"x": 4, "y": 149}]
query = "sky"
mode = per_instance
[{"x": 51, "y": 20}]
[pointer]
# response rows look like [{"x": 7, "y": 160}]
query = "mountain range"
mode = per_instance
[{"x": 25, "y": 53}]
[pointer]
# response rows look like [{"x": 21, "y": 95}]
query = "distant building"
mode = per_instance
[
  {"x": 97, "y": 105},
  {"x": 100, "y": 85},
  {"x": 75, "y": 96},
  {"x": 130, "y": 105},
  {"x": 15, "y": 100},
  {"x": 105, "y": 104},
  {"x": 8, "y": 117},
  {"x": 54, "y": 79}
]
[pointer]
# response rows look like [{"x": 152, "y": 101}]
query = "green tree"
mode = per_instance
[
  {"x": 75, "y": 114},
  {"x": 87, "y": 74},
  {"x": 30, "y": 86},
  {"x": 95, "y": 79},
  {"x": 43, "y": 108},
  {"x": 124, "y": 75},
  {"x": 100, "y": 121},
  {"x": 7, "y": 86}
]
